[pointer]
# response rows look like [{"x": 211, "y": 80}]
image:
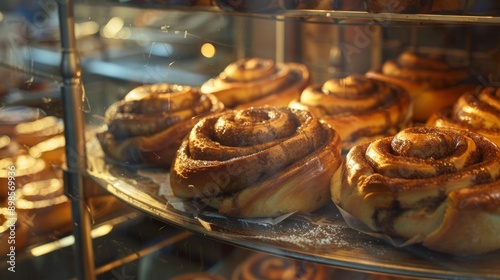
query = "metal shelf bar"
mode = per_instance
[
  {"x": 72, "y": 96},
  {"x": 336, "y": 15}
]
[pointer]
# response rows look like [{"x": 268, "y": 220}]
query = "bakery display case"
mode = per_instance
[{"x": 137, "y": 84}]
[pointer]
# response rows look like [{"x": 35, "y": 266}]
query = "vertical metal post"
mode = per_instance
[{"x": 74, "y": 130}]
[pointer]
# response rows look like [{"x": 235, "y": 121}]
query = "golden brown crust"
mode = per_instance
[
  {"x": 431, "y": 82},
  {"x": 419, "y": 184},
  {"x": 477, "y": 111},
  {"x": 149, "y": 124},
  {"x": 258, "y": 162},
  {"x": 360, "y": 109},
  {"x": 256, "y": 82}
]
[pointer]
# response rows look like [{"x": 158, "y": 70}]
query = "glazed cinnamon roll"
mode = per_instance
[
  {"x": 258, "y": 82},
  {"x": 263, "y": 266},
  {"x": 360, "y": 109},
  {"x": 148, "y": 125},
  {"x": 434, "y": 186},
  {"x": 477, "y": 111},
  {"x": 258, "y": 162},
  {"x": 431, "y": 82},
  {"x": 28, "y": 126}
]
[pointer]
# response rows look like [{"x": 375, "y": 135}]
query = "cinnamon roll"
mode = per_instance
[
  {"x": 431, "y": 82},
  {"x": 258, "y": 82},
  {"x": 360, "y": 109},
  {"x": 258, "y": 162},
  {"x": 477, "y": 111},
  {"x": 263, "y": 266},
  {"x": 147, "y": 126},
  {"x": 434, "y": 186},
  {"x": 28, "y": 126}
]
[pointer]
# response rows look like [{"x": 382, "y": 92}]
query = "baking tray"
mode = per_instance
[{"x": 323, "y": 237}]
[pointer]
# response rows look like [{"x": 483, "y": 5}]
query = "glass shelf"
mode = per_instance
[{"x": 323, "y": 237}]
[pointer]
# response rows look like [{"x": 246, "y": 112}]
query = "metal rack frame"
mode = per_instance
[{"x": 72, "y": 96}]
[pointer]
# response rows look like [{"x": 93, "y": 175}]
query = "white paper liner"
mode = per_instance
[
  {"x": 356, "y": 224},
  {"x": 162, "y": 179}
]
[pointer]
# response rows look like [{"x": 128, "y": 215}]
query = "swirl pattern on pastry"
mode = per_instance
[
  {"x": 263, "y": 266},
  {"x": 258, "y": 162},
  {"x": 256, "y": 82},
  {"x": 477, "y": 111},
  {"x": 360, "y": 109},
  {"x": 431, "y": 81},
  {"x": 149, "y": 124},
  {"x": 419, "y": 184}
]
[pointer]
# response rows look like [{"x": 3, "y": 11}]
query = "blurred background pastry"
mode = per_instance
[
  {"x": 258, "y": 266},
  {"x": 255, "y": 82},
  {"x": 43, "y": 206},
  {"x": 27, "y": 169},
  {"x": 12, "y": 232},
  {"x": 429, "y": 79},
  {"x": 28, "y": 126},
  {"x": 360, "y": 109}
]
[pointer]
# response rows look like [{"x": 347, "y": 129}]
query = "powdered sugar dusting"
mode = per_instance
[{"x": 309, "y": 236}]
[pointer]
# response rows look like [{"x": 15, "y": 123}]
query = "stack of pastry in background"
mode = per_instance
[
  {"x": 23, "y": 128},
  {"x": 32, "y": 197}
]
